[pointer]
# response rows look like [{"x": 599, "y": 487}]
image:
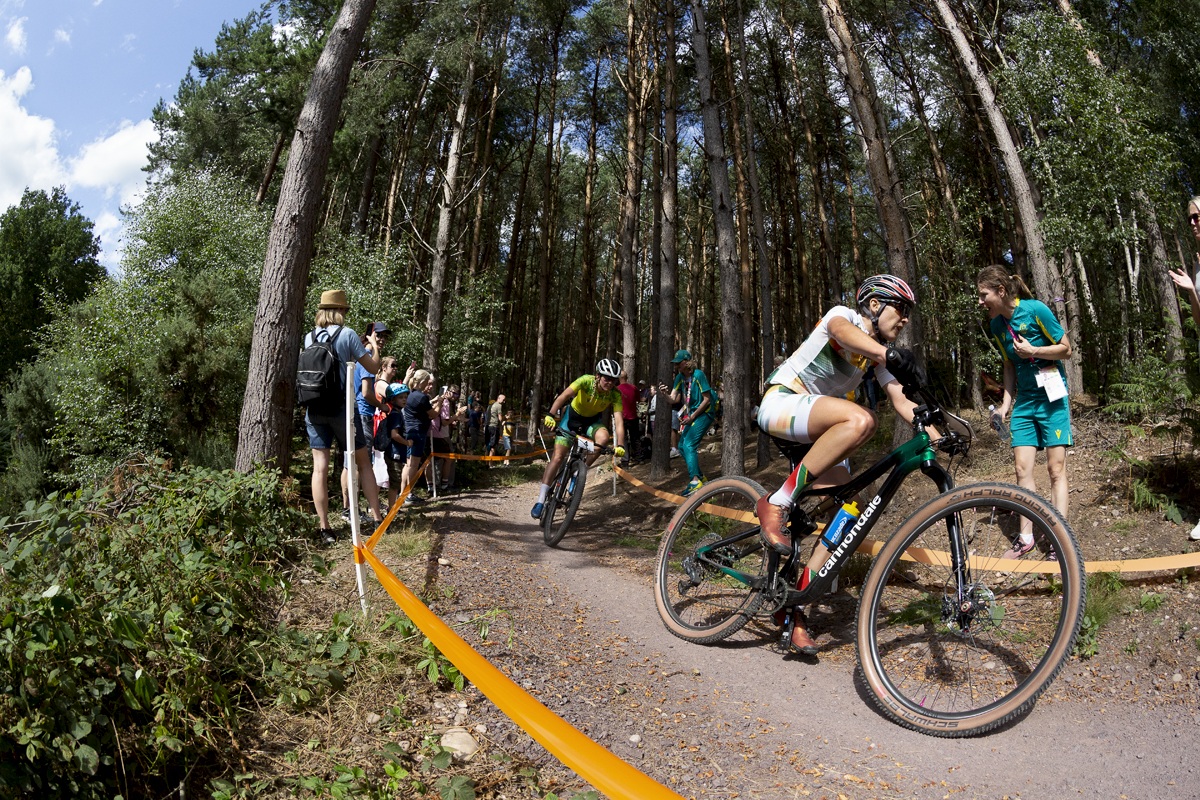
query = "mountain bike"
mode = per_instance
[
  {"x": 952, "y": 639},
  {"x": 567, "y": 491}
]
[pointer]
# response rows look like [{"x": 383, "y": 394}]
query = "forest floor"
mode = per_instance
[{"x": 576, "y": 627}]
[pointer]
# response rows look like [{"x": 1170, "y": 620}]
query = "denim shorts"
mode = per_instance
[
  {"x": 324, "y": 431},
  {"x": 418, "y": 439}
]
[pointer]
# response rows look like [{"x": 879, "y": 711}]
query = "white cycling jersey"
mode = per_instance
[{"x": 825, "y": 367}]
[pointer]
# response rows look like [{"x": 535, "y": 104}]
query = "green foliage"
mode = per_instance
[
  {"x": 47, "y": 261},
  {"x": 1079, "y": 116},
  {"x": 1104, "y": 597},
  {"x": 138, "y": 629},
  {"x": 155, "y": 359},
  {"x": 244, "y": 95},
  {"x": 1159, "y": 404},
  {"x": 1151, "y": 601}
]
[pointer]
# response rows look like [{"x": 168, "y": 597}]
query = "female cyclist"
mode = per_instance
[
  {"x": 806, "y": 402},
  {"x": 585, "y": 400}
]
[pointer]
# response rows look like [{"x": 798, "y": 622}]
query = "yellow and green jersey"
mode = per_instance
[{"x": 590, "y": 401}]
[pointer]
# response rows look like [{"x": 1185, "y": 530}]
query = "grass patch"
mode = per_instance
[
  {"x": 508, "y": 477},
  {"x": 639, "y": 542},
  {"x": 1104, "y": 601},
  {"x": 411, "y": 537},
  {"x": 1123, "y": 525}
]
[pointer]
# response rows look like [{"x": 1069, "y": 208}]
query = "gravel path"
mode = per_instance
[{"x": 738, "y": 719}]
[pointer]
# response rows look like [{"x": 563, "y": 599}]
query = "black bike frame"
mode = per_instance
[
  {"x": 574, "y": 453},
  {"x": 903, "y": 461}
]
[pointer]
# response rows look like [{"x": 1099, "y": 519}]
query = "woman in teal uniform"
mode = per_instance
[{"x": 1034, "y": 345}]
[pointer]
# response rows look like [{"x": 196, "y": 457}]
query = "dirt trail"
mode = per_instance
[{"x": 738, "y": 718}]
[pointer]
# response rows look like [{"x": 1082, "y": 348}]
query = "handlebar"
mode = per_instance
[
  {"x": 957, "y": 433},
  {"x": 574, "y": 437}
]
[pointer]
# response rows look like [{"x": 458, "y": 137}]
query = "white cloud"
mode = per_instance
[
  {"x": 28, "y": 150},
  {"x": 109, "y": 166},
  {"x": 62, "y": 37},
  {"x": 114, "y": 163},
  {"x": 15, "y": 37},
  {"x": 127, "y": 42}
]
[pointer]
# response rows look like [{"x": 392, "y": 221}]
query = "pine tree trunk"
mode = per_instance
[
  {"x": 441, "y": 250},
  {"x": 635, "y": 90},
  {"x": 368, "y": 185},
  {"x": 270, "y": 172},
  {"x": 486, "y": 162},
  {"x": 1018, "y": 181},
  {"x": 264, "y": 430},
  {"x": 733, "y": 368},
  {"x": 589, "y": 253},
  {"x": 667, "y": 290},
  {"x": 539, "y": 364}
]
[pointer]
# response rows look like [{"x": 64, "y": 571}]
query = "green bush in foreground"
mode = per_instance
[{"x": 137, "y": 626}]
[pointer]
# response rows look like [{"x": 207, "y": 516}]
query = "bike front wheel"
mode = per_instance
[
  {"x": 563, "y": 505},
  {"x": 705, "y": 593},
  {"x": 958, "y": 652}
]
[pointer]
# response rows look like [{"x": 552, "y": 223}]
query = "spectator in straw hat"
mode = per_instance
[{"x": 326, "y": 428}]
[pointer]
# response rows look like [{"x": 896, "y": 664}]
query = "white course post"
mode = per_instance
[{"x": 360, "y": 569}]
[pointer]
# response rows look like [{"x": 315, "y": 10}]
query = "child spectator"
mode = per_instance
[
  {"x": 396, "y": 454},
  {"x": 510, "y": 433}
]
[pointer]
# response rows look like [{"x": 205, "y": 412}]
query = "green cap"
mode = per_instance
[{"x": 681, "y": 355}]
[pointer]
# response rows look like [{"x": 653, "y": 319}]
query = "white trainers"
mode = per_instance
[
  {"x": 1195, "y": 534},
  {"x": 674, "y": 452}
]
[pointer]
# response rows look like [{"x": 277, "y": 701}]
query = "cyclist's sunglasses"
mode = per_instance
[
  {"x": 1193, "y": 218},
  {"x": 902, "y": 308}
]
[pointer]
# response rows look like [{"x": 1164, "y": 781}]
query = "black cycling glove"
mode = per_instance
[{"x": 904, "y": 368}]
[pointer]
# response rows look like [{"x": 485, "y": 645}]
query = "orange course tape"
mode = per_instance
[
  {"x": 612, "y": 776},
  {"x": 513, "y": 457},
  {"x": 939, "y": 558}
]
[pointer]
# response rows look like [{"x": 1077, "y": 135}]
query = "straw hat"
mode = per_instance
[{"x": 334, "y": 298}]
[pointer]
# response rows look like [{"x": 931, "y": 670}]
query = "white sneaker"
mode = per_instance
[
  {"x": 1195, "y": 534},
  {"x": 674, "y": 452}
]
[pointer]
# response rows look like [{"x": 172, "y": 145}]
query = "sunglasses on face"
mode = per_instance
[
  {"x": 902, "y": 308},
  {"x": 1194, "y": 218}
]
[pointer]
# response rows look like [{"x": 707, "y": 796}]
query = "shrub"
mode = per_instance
[{"x": 138, "y": 626}]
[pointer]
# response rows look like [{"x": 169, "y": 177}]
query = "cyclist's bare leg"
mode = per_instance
[
  {"x": 834, "y": 476},
  {"x": 602, "y": 438},
  {"x": 560, "y": 455},
  {"x": 837, "y": 428}
]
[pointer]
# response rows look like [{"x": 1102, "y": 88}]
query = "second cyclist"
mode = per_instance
[{"x": 588, "y": 397}]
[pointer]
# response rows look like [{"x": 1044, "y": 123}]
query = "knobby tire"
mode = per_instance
[
  {"x": 942, "y": 672},
  {"x": 696, "y": 600},
  {"x": 567, "y": 497}
]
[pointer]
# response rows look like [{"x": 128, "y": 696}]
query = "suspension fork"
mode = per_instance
[{"x": 960, "y": 563}]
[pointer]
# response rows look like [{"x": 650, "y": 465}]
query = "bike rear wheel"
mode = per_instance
[
  {"x": 563, "y": 504},
  {"x": 956, "y": 657},
  {"x": 706, "y": 597}
]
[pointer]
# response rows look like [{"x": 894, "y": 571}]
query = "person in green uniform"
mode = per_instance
[
  {"x": 585, "y": 400},
  {"x": 1034, "y": 345},
  {"x": 695, "y": 416}
]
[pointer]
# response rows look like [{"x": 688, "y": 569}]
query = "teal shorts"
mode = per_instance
[
  {"x": 577, "y": 423},
  {"x": 1041, "y": 424}
]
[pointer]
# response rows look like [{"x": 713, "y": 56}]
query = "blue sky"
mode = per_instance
[{"x": 78, "y": 80}]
